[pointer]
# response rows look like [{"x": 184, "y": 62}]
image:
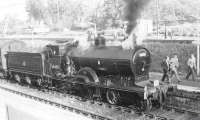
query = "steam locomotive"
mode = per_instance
[{"x": 99, "y": 71}]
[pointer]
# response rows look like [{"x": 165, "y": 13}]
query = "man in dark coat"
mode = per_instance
[{"x": 165, "y": 66}]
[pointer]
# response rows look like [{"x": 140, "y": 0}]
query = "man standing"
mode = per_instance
[
  {"x": 191, "y": 67},
  {"x": 174, "y": 64},
  {"x": 165, "y": 67},
  {"x": 100, "y": 40}
]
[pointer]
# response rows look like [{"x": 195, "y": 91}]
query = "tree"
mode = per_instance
[
  {"x": 172, "y": 10},
  {"x": 108, "y": 14},
  {"x": 35, "y": 8},
  {"x": 56, "y": 13}
]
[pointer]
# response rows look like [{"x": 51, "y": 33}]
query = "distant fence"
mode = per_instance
[
  {"x": 167, "y": 41},
  {"x": 159, "y": 50},
  {"x": 173, "y": 39}
]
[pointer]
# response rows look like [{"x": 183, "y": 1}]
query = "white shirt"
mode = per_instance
[
  {"x": 174, "y": 62},
  {"x": 191, "y": 62}
]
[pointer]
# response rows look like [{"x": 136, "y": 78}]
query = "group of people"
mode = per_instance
[{"x": 170, "y": 68}]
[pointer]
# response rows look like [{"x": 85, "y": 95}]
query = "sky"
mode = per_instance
[
  {"x": 13, "y": 8},
  {"x": 17, "y": 8}
]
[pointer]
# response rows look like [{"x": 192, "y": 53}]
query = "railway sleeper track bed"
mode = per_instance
[
  {"x": 56, "y": 104},
  {"x": 102, "y": 111}
]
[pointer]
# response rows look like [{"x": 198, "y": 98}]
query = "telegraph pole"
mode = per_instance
[
  {"x": 58, "y": 11},
  {"x": 198, "y": 51},
  {"x": 198, "y": 39},
  {"x": 157, "y": 17},
  {"x": 197, "y": 42},
  {"x": 198, "y": 59}
]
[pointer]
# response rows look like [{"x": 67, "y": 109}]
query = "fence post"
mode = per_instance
[{"x": 198, "y": 59}]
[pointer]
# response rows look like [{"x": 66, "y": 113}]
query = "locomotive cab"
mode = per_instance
[
  {"x": 52, "y": 60},
  {"x": 57, "y": 65},
  {"x": 52, "y": 50}
]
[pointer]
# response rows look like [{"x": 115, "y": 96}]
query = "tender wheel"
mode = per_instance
[
  {"x": 17, "y": 78},
  {"x": 86, "y": 92},
  {"x": 9, "y": 75},
  {"x": 90, "y": 93},
  {"x": 2, "y": 75},
  {"x": 28, "y": 80},
  {"x": 39, "y": 81},
  {"x": 113, "y": 97},
  {"x": 147, "y": 105}
]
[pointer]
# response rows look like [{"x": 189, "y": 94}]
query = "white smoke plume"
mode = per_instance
[
  {"x": 138, "y": 34},
  {"x": 83, "y": 43}
]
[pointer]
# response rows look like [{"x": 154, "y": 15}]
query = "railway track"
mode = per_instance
[
  {"x": 131, "y": 112},
  {"x": 58, "y": 105}
]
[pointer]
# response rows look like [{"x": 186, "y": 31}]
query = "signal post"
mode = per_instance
[{"x": 198, "y": 56}]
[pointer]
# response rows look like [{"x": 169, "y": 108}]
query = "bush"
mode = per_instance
[{"x": 160, "y": 50}]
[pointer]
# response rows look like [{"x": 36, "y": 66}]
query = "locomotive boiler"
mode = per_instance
[
  {"x": 114, "y": 61},
  {"x": 113, "y": 68}
]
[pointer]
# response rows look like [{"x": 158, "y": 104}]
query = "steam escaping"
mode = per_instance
[
  {"x": 142, "y": 29},
  {"x": 135, "y": 29},
  {"x": 83, "y": 43},
  {"x": 133, "y": 9},
  {"x": 138, "y": 34},
  {"x": 130, "y": 42}
]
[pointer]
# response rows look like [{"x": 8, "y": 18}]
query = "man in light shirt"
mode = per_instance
[
  {"x": 174, "y": 64},
  {"x": 191, "y": 67}
]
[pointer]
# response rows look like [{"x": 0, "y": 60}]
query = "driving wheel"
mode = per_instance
[{"x": 113, "y": 97}]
